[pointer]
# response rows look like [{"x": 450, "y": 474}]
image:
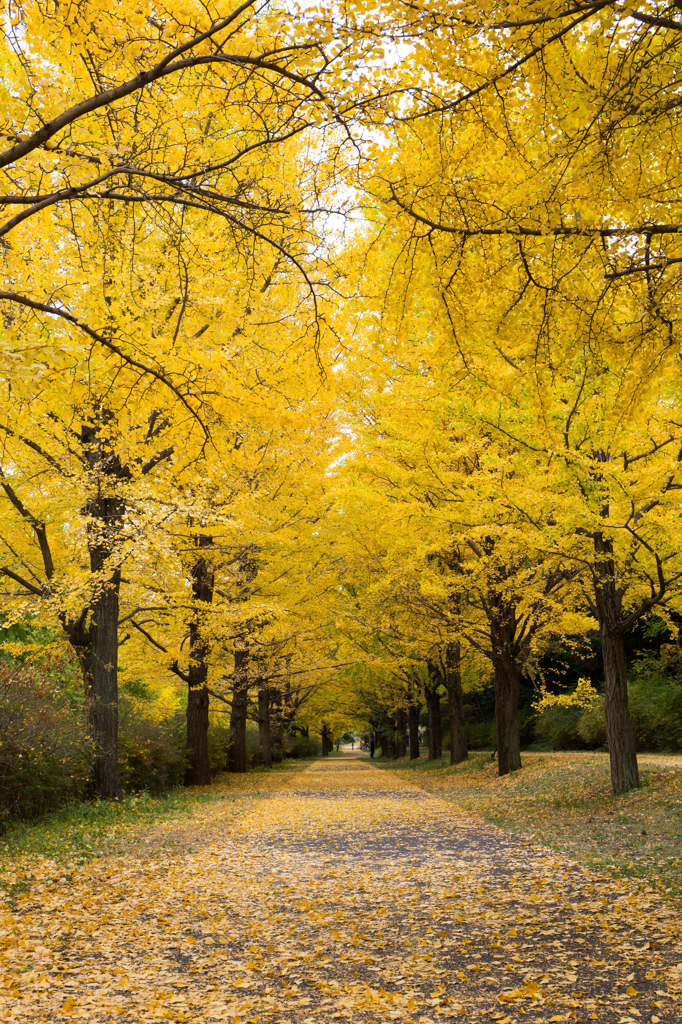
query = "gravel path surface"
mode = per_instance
[{"x": 343, "y": 894}]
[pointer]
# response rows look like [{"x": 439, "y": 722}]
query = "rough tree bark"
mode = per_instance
[
  {"x": 387, "y": 738},
  {"x": 198, "y": 771},
  {"x": 264, "y": 738},
  {"x": 106, "y": 514},
  {"x": 621, "y": 733},
  {"x": 327, "y": 742},
  {"x": 103, "y": 703},
  {"x": 240, "y": 702},
  {"x": 413, "y": 713},
  {"x": 453, "y": 685},
  {"x": 401, "y": 733},
  {"x": 507, "y": 691},
  {"x": 277, "y": 713},
  {"x": 620, "y": 728},
  {"x": 433, "y": 707},
  {"x": 508, "y": 656}
]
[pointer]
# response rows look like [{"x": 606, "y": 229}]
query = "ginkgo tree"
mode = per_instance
[
  {"x": 454, "y": 566},
  {"x": 118, "y": 447},
  {"x": 160, "y": 189},
  {"x": 544, "y": 266}
]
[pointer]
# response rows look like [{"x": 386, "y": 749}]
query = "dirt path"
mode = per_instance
[{"x": 343, "y": 895}]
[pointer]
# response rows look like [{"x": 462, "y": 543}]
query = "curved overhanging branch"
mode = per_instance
[
  {"x": 43, "y": 307},
  {"x": 585, "y": 15},
  {"x": 519, "y": 230},
  {"x": 170, "y": 64}
]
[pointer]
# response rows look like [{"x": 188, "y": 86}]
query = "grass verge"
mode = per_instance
[
  {"x": 564, "y": 801},
  {"x": 139, "y": 823}
]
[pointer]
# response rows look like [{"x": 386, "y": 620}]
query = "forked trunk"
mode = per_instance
[
  {"x": 435, "y": 724},
  {"x": 264, "y": 740},
  {"x": 240, "y": 702},
  {"x": 413, "y": 713},
  {"x": 507, "y": 692},
  {"x": 620, "y": 728},
  {"x": 453, "y": 684}
]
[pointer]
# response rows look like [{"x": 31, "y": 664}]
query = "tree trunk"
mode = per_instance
[
  {"x": 435, "y": 725},
  {"x": 106, "y": 519},
  {"x": 327, "y": 744},
  {"x": 620, "y": 728},
  {"x": 103, "y": 668},
  {"x": 401, "y": 734},
  {"x": 264, "y": 742},
  {"x": 277, "y": 712},
  {"x": 453, "y": 684},
  {"x": 198, "y": 771},
  {"x": 413, "y": 713},
  {"x": 507, "y": 692},
  {"x": 240, "y": 702}
]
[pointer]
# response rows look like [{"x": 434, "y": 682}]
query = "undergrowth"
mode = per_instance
[{"x": 89, "y": 829}]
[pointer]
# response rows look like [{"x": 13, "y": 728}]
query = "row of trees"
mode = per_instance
[
  {"x": 164, "y": 415},
  {"x": 518, "y": 396},
  {"x": 242, "y": 445}
]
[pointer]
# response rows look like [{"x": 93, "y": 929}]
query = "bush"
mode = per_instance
[
  {"x": 219, "y": 742},
  {"x": 151, "y": 753},
  {"x": 481, "y": 735},
  {"x": 592, "y": 726},
  {"x": 291, "y": 747},
  {"x": 252, "y": 746},
  {"x": 655, "y": 699},
  {"x": 45, "y": 752},
  {"x": 560, "y": 728},
  {"x": 302, "y": 746}
]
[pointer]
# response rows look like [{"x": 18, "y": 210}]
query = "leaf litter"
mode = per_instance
[{"x": 342, "y": 893}]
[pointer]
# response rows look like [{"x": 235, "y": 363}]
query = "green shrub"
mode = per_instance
[
  {"x": 290, "y": 747},
  {"x": 592, "y": 726},
  {"x": 481, "y": 735},
  {"x": 559, "y": 727},
  {"x": 151, "y": 753},
  {"x": 655, "y": 699},
  {"x": 302, "y": 746},
  {"x": 219, "y": 742},
  {"x": 252, "y": 746},
  {"x": 45, "y": 752}
]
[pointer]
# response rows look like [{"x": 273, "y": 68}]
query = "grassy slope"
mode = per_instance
[
  {"x": 86, "y": 830},
  {"x": 564, "y": 801}
]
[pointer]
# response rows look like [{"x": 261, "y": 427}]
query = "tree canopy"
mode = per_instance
[{"x": 340, "y": 359}]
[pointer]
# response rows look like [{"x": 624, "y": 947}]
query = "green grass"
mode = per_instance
[
  {"x": 86, "y": 830},
  {"x": 83, "y": 831}
]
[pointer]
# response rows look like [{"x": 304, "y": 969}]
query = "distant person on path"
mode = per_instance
[{"x": 371, "y": 748}]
